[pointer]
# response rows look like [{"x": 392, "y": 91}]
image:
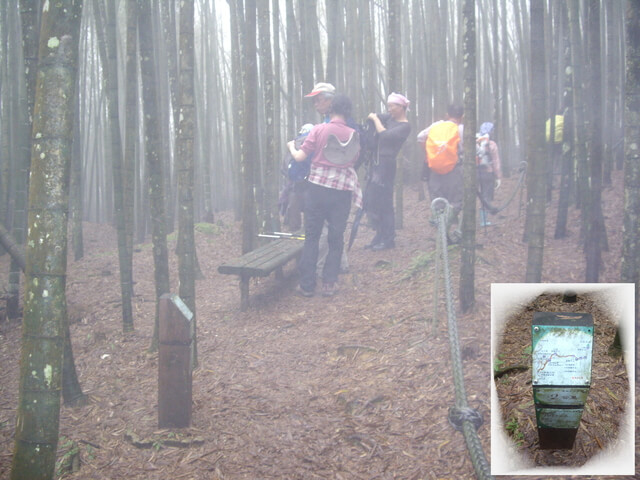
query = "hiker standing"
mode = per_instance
[
  {"x": 322, "y": 96},
  {"x": 443, "y": 145},
  {"x": 489, "y": 171},
  {"x": 330, "y": 188},
  {"x": 292, "y": 196},
  {"x": 392, "y": 130},
  {"x": 291, "y": 199}
]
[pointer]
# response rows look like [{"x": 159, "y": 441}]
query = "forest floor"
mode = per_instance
[{"x": 357, "y": 386}]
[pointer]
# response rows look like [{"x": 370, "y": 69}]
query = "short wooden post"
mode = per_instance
[{"x": 174, "y": 363}]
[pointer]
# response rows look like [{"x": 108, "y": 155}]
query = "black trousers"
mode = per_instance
[
  {"x": 379, "y": 208},
  {"x": 323, "y": 204}
]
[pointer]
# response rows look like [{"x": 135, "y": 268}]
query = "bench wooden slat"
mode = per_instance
[
  {"x": 260, "y": 263},
  {"x": 263, "y": 260}
]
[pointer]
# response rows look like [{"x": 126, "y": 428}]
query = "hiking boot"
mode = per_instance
[
  {"x": 383, "y": 246},
  {"x": 329, "y": 289},
  {"x": 303, "y": 293},
  {"x": 374, "y": 242}
]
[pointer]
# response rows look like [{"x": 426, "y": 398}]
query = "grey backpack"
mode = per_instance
[{"x": 342, "y": 154}]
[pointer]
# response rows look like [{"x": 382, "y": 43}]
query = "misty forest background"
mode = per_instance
[{"x": 155, "y": 115}]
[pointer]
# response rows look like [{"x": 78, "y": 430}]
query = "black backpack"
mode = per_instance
[{"x": 368, "y": 143}]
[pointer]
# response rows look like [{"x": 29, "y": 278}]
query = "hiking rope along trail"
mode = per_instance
[
  {"x": 461, "y": 416},
  {"x": 493, "y": 209}
]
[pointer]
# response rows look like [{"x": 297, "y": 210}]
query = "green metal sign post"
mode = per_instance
[{"x": 561, "y": 355}]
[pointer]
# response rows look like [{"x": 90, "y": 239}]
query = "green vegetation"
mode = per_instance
[
  {"x": 209, "y": 228},
  {"x": 513, "y": 427},
  {"x": 498, "y": 363},
  {"x": 418, "y": 264},
  {"x": 70, "y": 460}
]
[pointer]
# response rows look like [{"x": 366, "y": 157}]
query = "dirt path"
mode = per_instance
[{"x": 353, "y": 387}]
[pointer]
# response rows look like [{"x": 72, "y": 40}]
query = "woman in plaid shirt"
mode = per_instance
[{"x": 329, "y": 193}]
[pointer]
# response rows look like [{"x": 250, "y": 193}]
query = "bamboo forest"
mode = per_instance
[{"x": 319, "y": 239}]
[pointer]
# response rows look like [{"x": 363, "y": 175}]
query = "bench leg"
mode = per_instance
[
  {"x": 244, "y": 293},
  {"x": 279, "y": 274}
]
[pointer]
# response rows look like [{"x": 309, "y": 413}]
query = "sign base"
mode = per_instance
[{"x": 557, "y": 438}]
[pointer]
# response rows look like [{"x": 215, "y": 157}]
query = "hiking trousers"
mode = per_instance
[
  {"x": 449, "y": 186},
  {"x": 296, "y": 205},
  {"x": 381, "y": 213},
  {"x": 487, "y": 182},
  {"x": 322, "y": 205}
]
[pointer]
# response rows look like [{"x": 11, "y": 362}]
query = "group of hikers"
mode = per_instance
[{"x": 322, "y": 181}]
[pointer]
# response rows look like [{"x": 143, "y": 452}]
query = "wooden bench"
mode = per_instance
[{"x": 260, "y": 263}]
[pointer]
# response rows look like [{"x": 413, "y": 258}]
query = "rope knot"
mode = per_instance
[
  {"x": 458, "y": 415},
  {"x": 439, "y": 205}
]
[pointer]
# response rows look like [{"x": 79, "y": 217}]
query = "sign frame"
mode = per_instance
[{"x": 561, "y": 364}]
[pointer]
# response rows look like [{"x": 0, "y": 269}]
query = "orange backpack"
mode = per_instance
[{"x": 442, "y": 146}]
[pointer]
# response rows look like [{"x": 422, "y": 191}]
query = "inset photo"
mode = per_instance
[{"x": 562, "y": 382}]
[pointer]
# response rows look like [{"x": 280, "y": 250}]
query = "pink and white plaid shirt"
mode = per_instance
[{"x": 338, "y": 179}]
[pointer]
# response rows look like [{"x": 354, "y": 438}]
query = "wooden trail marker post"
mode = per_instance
[
  {"x": 174, "y": 363},
  {"x": 561, "y": 356}
]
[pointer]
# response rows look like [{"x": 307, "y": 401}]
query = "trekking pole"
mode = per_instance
[{"x": 290, "y": 236}]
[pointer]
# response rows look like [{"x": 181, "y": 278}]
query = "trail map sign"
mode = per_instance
[{"x": 561, "y": 356}]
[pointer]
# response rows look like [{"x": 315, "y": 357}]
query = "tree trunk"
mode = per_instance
[
  {"x": 153, "y": 159},
  {"x": 333, "y": 17},
  {"x": 292, "y": 36},
  {"x": 394, "y": 84},
  {"x": 580, "y": 117},
  {"x": 186, "y": 134},
  {"x": 12, "y": 247},
  {"x": 277, "y": 107},
  {"x": 106, "y": 26},
  {"x": 631, "y": 224},
  {"x": 595, "y": 227},
  {"x": 166, "y": 68},
  {"x": 270, "y": 217},
  {"x": 250, "y": 134},
  {"x": 537, "y": 158},
  {"x": 29, "y": 12},
  {"x": 45, "y": 311},
  {"x": 237, "y": 39},
  {"x": 75, "y": 182},
  {"x": 131, "y": 123},
  {"x": 566, "y": 169},
  {"x": 468, "y": 251},
  {"x": 71, "y": 389},
  {"x": 304, "y": 54}
]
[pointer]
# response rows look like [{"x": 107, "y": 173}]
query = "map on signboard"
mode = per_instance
[{"x": 561, "y": 355}]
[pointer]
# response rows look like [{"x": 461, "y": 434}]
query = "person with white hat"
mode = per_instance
[
  {"x": 331, "y": 188},
  {"x": 322, "y": 95}
]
